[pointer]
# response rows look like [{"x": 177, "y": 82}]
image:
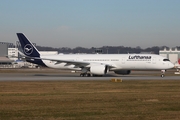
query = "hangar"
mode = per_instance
[
  {"x": 4, "y": 61},
  {"x": 173, "y": 54}
]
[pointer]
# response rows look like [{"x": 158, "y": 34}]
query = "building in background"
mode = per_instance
[
  {"x": 10, "y": 57},
  {"x": 3, "y": 49},
  {"x": 4, "y": 61},
  {"x": 172, "y": 54},
  {"x": 13, "y": 52}
]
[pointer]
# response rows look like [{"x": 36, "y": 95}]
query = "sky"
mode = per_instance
[{"x": 92, "y": 23}]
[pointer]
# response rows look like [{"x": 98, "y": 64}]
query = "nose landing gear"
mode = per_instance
[{"x": 163, "y": 73}]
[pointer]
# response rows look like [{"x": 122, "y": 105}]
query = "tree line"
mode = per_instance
[{"x": 105, "y": 49}]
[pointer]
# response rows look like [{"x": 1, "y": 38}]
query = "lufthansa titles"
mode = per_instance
[{"x": 138, "y": 57}]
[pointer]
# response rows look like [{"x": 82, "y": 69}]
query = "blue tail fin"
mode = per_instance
[{"x": 28, "y": 48}]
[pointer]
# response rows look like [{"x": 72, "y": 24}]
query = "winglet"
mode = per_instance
[{"x": 28, "y": 48}]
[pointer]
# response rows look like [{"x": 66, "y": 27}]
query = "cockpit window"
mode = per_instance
[{"x": 166, "y": 60}]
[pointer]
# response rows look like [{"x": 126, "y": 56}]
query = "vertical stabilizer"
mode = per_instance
[{"x": 28, "y": 48}]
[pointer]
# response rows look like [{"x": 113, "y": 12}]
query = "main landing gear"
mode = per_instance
[
  {"x": 163, "y": 73},
  {"x": 89, "y": 75},
  {"x": 85, "y": 74}
]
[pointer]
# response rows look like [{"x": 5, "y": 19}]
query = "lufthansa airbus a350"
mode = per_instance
[{"x": 95, "y": 64}]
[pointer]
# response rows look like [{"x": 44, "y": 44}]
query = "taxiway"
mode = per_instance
[{"x": 46, "y": 76}]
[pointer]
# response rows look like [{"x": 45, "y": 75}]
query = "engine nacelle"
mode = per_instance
[
  {"x": 123, "y": 72},
  {"x": 99, "y": 69}
]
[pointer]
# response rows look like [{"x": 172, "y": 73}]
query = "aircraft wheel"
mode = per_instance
[
  {"x": 162, "y": 75},
  {"x": 82, "y": 74},
  {"x": 89, "y": 75}
]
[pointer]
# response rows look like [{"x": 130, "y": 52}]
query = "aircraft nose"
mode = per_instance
[{"x": 171, "y": 65}]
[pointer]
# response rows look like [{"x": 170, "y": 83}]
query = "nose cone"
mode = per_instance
[{"x": 171, "y": 65}]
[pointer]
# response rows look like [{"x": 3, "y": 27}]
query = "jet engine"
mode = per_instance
[
  {"x": 123, "y": 72},
  {"x": 99, "y": 69}
]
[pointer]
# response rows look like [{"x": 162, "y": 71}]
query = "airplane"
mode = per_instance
[{"x": 95, "y": 64}]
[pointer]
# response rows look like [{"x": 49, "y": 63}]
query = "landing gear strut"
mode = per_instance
[{"x": 163, "y": 73}]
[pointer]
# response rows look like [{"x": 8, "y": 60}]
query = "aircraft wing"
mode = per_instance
[
  {"x": 80, "y": 64},
  {"x": 68, "y": 62}
]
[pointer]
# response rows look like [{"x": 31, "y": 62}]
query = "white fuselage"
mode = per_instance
[{"x": 117, "y": 61}]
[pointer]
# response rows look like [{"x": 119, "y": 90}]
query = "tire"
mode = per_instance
[
  {"x": 81, "y": 75},
  {"x": 162, "y": 75},
  {"x": 89, "y": 75}
]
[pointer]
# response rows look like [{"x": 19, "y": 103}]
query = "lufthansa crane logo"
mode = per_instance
[{"x": 28, "y": 49}]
